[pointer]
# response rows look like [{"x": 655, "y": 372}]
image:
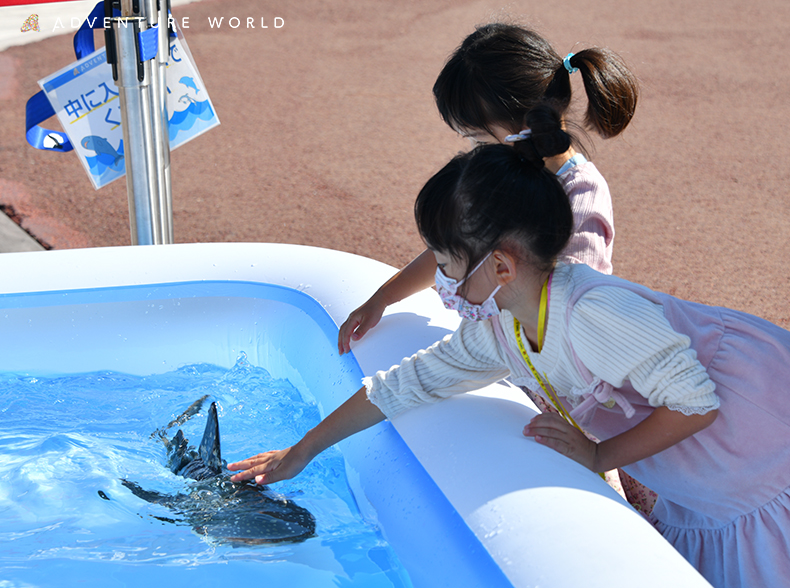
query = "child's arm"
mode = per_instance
[
  {"x": 416, "y": 276},
  {"x": 591, "y": 203},
  {"x": 659, "y": 431},
  {"x": 354, "y": 415}
]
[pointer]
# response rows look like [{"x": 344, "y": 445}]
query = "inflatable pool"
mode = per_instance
[{"x": 461, "y": 496}]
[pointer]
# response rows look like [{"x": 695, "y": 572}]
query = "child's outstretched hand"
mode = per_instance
[
  {"x": 269, "y": 467},
  {"x": 358, "y": 323},
  {"x": 551, "y": 430}
]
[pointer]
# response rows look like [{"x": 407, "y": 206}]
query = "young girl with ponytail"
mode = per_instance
[
  {"x": 484, "y": 92},
  {"x": 687, "y": 398}
]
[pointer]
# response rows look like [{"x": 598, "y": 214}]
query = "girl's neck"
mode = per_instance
[
  {"x": 525, "y": 305},
  {"x": 554, "y": 163}
]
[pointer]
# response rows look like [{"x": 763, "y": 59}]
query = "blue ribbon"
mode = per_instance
[
  {"x": 83, "y": 38},
  {"x": 38, "y": 108},
  {"x": 148, "y": 40}
]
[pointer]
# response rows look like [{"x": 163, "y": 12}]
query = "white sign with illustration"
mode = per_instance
[{"x": 85, "y": 99}]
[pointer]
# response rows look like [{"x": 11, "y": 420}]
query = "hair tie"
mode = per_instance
[
  {"x": 520, "y": 137},
  {"x": 567, "y": 63}
]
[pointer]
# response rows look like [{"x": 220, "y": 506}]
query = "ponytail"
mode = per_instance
[
  {"x": 546, "y": 137},
  {"x": 612, "y": 90},
  {"x": 501, "y": 72}
]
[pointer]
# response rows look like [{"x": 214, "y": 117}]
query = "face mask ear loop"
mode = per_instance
[
  {"x": 477, "y": 267},
  {"x": 469, "y": 275},
  {"x": 497, "y": 289}
]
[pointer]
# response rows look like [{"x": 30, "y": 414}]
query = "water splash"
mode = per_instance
[{"x": 67, "y": 441}]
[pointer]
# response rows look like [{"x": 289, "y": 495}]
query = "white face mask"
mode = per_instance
[{"x": 448, "y": 290}]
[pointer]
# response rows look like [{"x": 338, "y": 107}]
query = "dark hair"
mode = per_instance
[
  {"x": 501, "y": 72},
  {"x": 496, "y": 195}
]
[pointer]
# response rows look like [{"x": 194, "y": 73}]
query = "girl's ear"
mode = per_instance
[{"x": 504, "y": 266}]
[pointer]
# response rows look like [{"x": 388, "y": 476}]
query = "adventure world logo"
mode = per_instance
[{"x": 31, "y": 24}]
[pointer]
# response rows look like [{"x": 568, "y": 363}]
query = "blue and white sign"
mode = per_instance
[{"x": 86, "y": 101}]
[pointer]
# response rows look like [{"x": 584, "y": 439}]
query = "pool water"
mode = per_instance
[{"x": 66, "y": 442}]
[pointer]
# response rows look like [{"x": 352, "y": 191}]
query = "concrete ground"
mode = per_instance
[
  {"x": 329, "y": 130},
  {"x": 14, "y": 239}
]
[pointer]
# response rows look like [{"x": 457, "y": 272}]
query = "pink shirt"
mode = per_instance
[{"x": 591, "y": 242}]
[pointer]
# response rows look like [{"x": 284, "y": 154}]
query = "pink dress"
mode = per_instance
[{"x": 724, "y": 493}]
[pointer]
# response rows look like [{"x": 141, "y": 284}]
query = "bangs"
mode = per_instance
[{"x": 460, "y": 99}]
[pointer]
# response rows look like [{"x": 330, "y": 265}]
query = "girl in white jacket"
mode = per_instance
[{"x": 689, "y": 399}]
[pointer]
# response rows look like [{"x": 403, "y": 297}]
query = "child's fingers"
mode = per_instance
[
  {"x": 358, "y": 324},
  {"x": 269, "y": 478},
  {"x": 254, "y": 472},
  {"x": 348, "y": 330},
  {"x": 270, "y": 467},
  {"x": 555, "y": 440},
  {"x": 551, "y": 430},
  {"x": 556, "y": 433},
  {"x": 546, "y": 423},
  {"x": 247, "y": 474},
  {"x": 253, "y": 466},
  {"x": 363, "y": 326},
  {"x": 241, "y": 465},
  {"x": 250, "y": 461}
]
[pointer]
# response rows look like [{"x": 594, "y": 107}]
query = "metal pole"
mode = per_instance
[
  {"x": 157, "y": 14},
  {"x": 143, "y": 91},
  {"x": 133, "y": 83},
  {"x": 163, "y": 58}
]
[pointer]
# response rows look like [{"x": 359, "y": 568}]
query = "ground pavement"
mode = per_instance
[{"x": 329, "y": 130}]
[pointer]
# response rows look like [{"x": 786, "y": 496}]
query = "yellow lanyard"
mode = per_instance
[{"x": 544, "y": 381}]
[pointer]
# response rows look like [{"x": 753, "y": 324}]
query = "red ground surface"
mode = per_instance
[{"x": 329, "y": 130}]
